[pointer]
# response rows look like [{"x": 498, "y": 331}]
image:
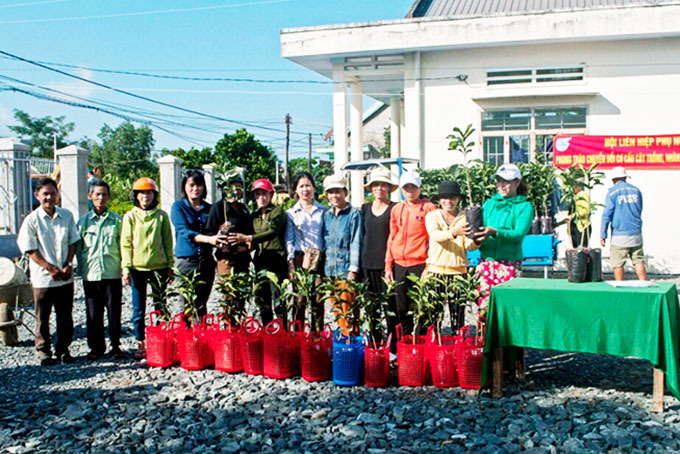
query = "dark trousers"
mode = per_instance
[
  {"x": 139, "y": 280},
  {"x": 99, "y": 296},
  {"x": 267, "y": 293},
  {"x": 375, "y": 284},
  {"x": 61, "y": 299},
  {"x": 577, "y": 236},
  {"x": 206, "y": 274},
  {"x": 402, "y": 301},
  {"x": 456, "y": 311}
]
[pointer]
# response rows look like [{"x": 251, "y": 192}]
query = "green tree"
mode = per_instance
[
  {"x": 320, "y": 170},
  {"x": 386, "y": 150},
  {"x": 124, "y": 152},
  {"x": 41, "y": 132},
  {"x": 192, "y": 158},
  {"x": 242, "y": 149}
]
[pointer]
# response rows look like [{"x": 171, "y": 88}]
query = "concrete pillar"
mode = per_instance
[
  {"x": 339, "y": 118},
  {"x": 210, "y": 187},
  {"x": 356, "y": 115},
  {"x": 73, "y": 168},
  {"x": 413, "y": 112},
  {"x": 15, "y": 184},
  {"x": 171, "y": 178},
  {"x": 395, "y": 139}
]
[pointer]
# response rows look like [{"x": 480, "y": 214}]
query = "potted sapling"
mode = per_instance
[
  {"x": 473, "y": 211},
  {"x": 161, "y": 349},
  {"x": 470, "y": 341},
  {"x": 442, "y": 349},
  {"x": 377, "y": 344},
  {"x": 540, "y": 180},
  {"x": 583, "y": 263}
]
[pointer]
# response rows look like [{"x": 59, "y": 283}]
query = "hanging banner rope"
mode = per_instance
[{"x": 635, "y": 152}]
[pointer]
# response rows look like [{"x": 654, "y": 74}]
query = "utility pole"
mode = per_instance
[
  {"x": 277, "y": 171},
  {"x": 287, "y": 168},
  {"x": 54, "y": 141},
  {"x": 309, "y": 154}
]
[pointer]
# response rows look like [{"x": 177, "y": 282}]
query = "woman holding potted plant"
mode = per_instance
[
  {"x": 449, "y": 242},
  {"x": 193, "y": 246},
  {"x": 376, "y": 226},
  {"x": 304, "y": 240},
  {"x": 507, "y": 218},
  {"x": 269, "y": 227},
  {"x": 407, "y": 244}
]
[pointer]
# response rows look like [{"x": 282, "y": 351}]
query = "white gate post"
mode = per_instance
[
  {"x": 170, "y": 172},
  {"x": 209, "y": 176},
  {"x": 73, "y": 167},
  {"x": 15, "y": 184}
]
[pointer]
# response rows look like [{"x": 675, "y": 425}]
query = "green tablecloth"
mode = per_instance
[{"x": 594, "y": 317}]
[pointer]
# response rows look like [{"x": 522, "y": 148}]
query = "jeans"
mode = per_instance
[
  {"x": 206, "y": 273},
  {"x": 139, "y": 280}
]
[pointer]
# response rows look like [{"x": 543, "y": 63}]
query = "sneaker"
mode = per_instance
[
  {"x": 46, "y": 359},
  {"x": 66, "y": 358}
]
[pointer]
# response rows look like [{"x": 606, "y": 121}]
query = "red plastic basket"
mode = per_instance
[
  {"x": 160, "y": 342},
  {"x": 442, "y": 359},
  {"x": 377, "y": 364},
  {"x": 251, "y": 346},
  {"x": 469, "y": 352},
  {"x": 412, "y": 365},
  {"x": 316, "y": 350},
  {"x": 226, "y": 344},
  {"x": 280, "y": 350},
  {"x": 194, "y": 346}
]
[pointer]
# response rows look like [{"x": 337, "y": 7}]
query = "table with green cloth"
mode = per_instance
[{"x": 592, "y": 317}]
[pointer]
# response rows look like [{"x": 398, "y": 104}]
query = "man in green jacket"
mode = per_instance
[{"x": 98, "y": 256}]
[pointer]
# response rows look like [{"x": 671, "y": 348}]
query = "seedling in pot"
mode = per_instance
[
  {"x": 185, "y": 285},
  {"x": 466, "y": 291},
  {"x": 375, "y": 305},
  {"x": 473, "y": 211},
  {"x": 346, "y": 298},
  {"x": 425, "y": 295},
  {"x": 161, "y": 292}
]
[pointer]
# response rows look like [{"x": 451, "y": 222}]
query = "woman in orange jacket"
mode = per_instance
[{"x": 407, "y": 245}]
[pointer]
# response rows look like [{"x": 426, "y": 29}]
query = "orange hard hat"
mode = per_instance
[
  {"x": 145, "y": 184},
  {"x": 263, "y": 184}
]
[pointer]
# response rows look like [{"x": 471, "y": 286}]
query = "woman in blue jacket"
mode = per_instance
[{"x": 193, "y": 248}]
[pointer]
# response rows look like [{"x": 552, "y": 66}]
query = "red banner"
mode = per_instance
[{"x": 635, "y": 152}]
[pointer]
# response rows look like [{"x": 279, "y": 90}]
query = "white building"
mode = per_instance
[{"x": 520, "y": 72}]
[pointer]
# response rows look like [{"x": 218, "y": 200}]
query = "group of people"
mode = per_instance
[{"x": 384, "y": 241}]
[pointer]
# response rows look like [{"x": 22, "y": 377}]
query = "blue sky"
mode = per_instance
[{"x": 199, "y": 38}]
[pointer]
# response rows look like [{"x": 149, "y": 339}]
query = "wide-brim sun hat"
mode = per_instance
[
  {"x": 410, "y": 177},
  {"x": 618, "y": 172},
  {"x": 334, "y": 182},
  {"x": 380, "y": 175},
  {"x": 447, "y": 189},
  {"x": 509, "y": 172}
]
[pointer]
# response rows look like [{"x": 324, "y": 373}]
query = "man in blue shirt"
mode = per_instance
[{"x": 623, "y": 212}]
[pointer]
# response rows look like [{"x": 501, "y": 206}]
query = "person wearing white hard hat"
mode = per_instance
[
  {"x": 406, "y": 247},
  {"x": 507, "y": 220},
  {"x": 623, "y": 215}
]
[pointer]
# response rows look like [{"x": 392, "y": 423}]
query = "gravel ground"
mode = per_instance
[{"x": 572, "y": 403}]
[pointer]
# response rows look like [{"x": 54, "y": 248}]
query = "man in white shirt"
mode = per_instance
[{"x": 49, "y": 237}]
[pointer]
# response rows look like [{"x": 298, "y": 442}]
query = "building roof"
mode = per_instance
[{"x": 475, "y": 8}]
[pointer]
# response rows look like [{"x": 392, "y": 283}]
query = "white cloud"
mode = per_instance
[{"x": 77, "y": 87}]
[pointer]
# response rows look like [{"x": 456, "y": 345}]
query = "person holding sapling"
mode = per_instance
[
  {"x": 304, "y": 240},
  {"x": 227, "y": 216},
  {"x": 407, "y": 244},
  {"x": 193, "y": 246},
  {"x": 146, "y": 252},
  {"x": 449, "y": 242},
  {"x": 268, "y": 239},
  {"x": 98, "y": 256},
  {"x": 376, "y": 227},
  {"x": 507, "y": 218}
]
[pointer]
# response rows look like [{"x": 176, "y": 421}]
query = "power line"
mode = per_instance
[
  {"x": 144, "y": 13},
  {"x": 18, "y": 5},
  {"x": 144, "y": 98}
]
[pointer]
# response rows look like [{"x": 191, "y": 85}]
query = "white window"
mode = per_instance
[{"x": 519, "y": 135}]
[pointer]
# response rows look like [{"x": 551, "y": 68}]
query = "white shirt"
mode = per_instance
[
  {"x": 309, "y": 224},
  {"x": 51, "y": 237}
]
